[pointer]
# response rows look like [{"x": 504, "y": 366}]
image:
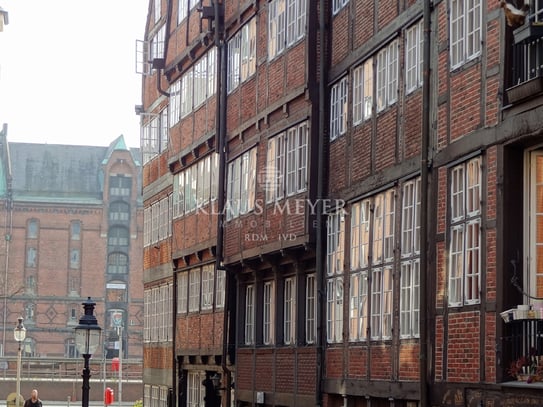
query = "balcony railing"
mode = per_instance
[
  {"x": 526, "y": 79},
  {"x": 522, "y": 338}
]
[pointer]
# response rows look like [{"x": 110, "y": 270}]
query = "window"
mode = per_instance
[
  {"x": 194, "y": 187},
  {"x": 158, "y": 325},
  {"x": 186, "y": 93},
  {"x": 338, "y": 109},
  {"x": 220, "y": 288},
  {"x": 75, "y": 230},
  {"x": 286, "y": 24},
  {"x": 465, "y": 31},
  {"x": 335, "y": 244},
  {"x": 32, "y": 229},
  {"x": 157, "y": 9},
  {"x": 289, "y": 317},
  {"x": 120, "y": 185},
  {"x": 74, "y": 258},
  {"x": 410, "y": 264},
  {"x": 414, "y": 40},
  {"x": 362, "y": 92},
  {"x": 183, "y": 8},
  {"x": 194, "y": 290},
  {"x": 182, "y": 292},
  {"x": 119, "y": 211},
  {"x": 31, "y": 257},
  {"x": 381, "y": 303},
  {"x": 241, "y": 184},
  {"x": 334, "y": 309},
  {"x": 358, "y": 307},
  {"x": 286, "y": 168},
  {"x": 156, "y": 45},
  {"x": 334, "y": 269},
  {"x": 268, "y": 310},
  {"x": 311, "y": 300},
  {"x": 242, "y": 55},
  {"x": 30, "y": 283},
  {"x": 117, "y": 263},
  {"x": 174, "y": 112},
  {"x": 197, "y": 289},
  {"x": 118, "y": 236},
  {"x": 465, "y": 233},
  {"x": 372, "y": 262},
  {"x": 154, "y": 135},
  {"x": 207, "y": 287},
  {"x": 29, "y": 312},
  {"x": 194, "y": 88},
  {"x": 195, "y": 389},
  {"x": 534, "y": 223},
  {"x": 387, "y": 76},
  {"x": 116, "y": 291},
  {"x": 250, "y": 315},
  {"x": 157, "y": 221},
  {"x": 337, "y": 5}
]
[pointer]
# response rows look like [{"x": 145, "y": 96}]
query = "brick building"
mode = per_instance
[
  {"x": 72, "y": 218},
  {"x": 341, "y": 198}
]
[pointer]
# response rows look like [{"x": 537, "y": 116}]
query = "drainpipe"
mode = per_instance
[
  {"x": 162, "y": 63},
  {"x": 423, "y": 311},
  {"x": 320, "y": 260},
  {"x": 220, "y": 143}
]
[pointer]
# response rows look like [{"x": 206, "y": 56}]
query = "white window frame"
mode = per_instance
[
  {"x": 289, "y": 315},
  {"x": 249, "y": 314},
  {"x": 286, "y": 24},
  {"x": 381, "y": 303},
  {"x": 241, "y": 184},
  {"x": 339, "y": 95},
  {"x": 387, "y": 76},
  {"x": 337, "y": 5},
  {"x": 414, "y": 57},
  {"x": 208, "y": 287},
  {"x": 268, "y": 313},
  {"x": 465, "y": 31},
  {"x": 311, "y": 300},
  {"x": 362, "y": 92},
  {"x": 465, "y": 233},
  {"x": 286, "y": 163},
  {"x": 335, "y": 243},
  {"x": 358, "y": 307},
  {"x": 174, "y": 112},
  {"x": 334, "y": 310},
  {"x": 242, "y": 55},
  {"x": 360, "y": 234},
  {"x": 195, "y": 389},
  {"x": 194, "y": 290},
  {"x": 410, "y": 299},
  {"x": 220, "y": 289}
]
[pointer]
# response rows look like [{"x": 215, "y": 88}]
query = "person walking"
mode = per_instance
[{"x": 33, "y": 401}]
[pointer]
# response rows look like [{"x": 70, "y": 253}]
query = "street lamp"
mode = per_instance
[
  {"x": 20, "y": 334},
  {"x": 87, "y": 339}
]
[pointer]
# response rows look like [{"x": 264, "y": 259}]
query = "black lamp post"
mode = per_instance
[
  {"x": 19, "y": 334},
  {"x": 87, "y": 339}
]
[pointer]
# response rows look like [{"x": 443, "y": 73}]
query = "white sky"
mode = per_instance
[{"x": 67, "y": 70}]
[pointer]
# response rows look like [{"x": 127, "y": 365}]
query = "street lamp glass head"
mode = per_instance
[
  {"x": 88, "y": 333},
  {"x": 20, "y": 331}
]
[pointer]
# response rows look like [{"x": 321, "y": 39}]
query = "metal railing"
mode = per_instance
[{"x": 69, "y": 369}]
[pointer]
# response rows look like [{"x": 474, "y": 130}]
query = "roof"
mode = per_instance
[{"x": 57, "y": 172}]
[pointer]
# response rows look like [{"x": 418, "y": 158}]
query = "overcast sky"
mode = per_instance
[{"x": 67, "y": 70}]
